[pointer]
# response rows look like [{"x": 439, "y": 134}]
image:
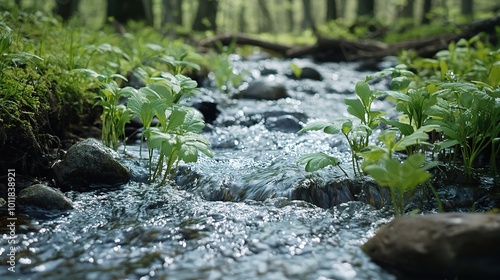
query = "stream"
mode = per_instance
[{"x": 239, "y": 215}]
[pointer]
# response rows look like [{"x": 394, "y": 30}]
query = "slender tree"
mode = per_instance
[
  {"x": 125, "y": 10},
  {"x": 65, "y": 9},
  {"x": 206, "y": 15},
  {"x": 407, "y": 9},
  {"x": 366, "y": 8},
  {"x": 266, "y": 21},
  {"x": 290, "y": 15},
  {"x": 425, "y": 11},
  {"x": 331, "y": 10},
  {"x": 308, "y": 20},
  {"x": 172, "y": 12},
  {"x": 467, "y": 8}
]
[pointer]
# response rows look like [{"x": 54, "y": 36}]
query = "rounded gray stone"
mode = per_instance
[
  {"x": 45, "y": 197},
  {"x": 90, "y": 163}
]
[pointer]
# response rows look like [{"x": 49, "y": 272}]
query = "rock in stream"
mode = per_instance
[
  {"x": 445, "y": 245},
  {"x": 88, "y": 164}
]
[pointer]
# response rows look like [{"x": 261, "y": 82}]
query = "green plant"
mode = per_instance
[
  {"x": 471, "y": 120},
  {"x": 13, "y": 59},
  {"x": 179, "y": 139},
  {"x": 115, "y": 115},
  {"x": 222, "y": 70},
  {"x": 357, "y": 135},
  {"x": 401, "y": 177},
  {"x": 177, "y": 136}
]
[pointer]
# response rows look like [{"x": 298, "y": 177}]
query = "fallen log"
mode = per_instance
[{"x": 337, "y": 49}]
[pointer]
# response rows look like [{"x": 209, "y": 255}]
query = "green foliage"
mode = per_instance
[
  {"x": 401, "y": 177},
  {"x": 177, "y": 136},
  {"x": 296, "y": 70},
  {"x": 226, "y": 77},
  {"x": 470, "y": 120},
  {"x": 356, "y": 134}
]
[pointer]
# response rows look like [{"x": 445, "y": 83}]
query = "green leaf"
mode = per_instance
[
  {"x": 296, "y": 70},
  {"x": 446, "y": 144},
  {"x": 346, "y": 127},
  {"x": 400, "y": 83},
  {"x": 494, "y": 76},
  {"x": 404, "y": 128},
  {"x": 373, "y": 155},
  {"x": 444, "y": 69},
  {"x": 193, "y": 120},
  {"x": 418, "y": 137},
  {"x": 175, "y": 116},
  {"x": 316, "y": 161},
  {"x": 191, "y": 143},
  {"x": 163, "y": 91},
  {"x": 327, "y": 127},
  {"x": 388, "y": 137},
  {"x": 356, "y": 109},
  {"x": 398, "y": 95},
  {"x": 362, "y": 89}
]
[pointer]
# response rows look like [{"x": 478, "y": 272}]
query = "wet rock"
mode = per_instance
[
  {"x": 45, "y": 197},
  {"x": 285, "y": 123},
  {"x": 208, "y": 109},
  {"x": 453, "y": 245},
  {"x": 264, "y": 89},
  {"x": 308, "y": 72},
  {"x": 90, "y": 164}
]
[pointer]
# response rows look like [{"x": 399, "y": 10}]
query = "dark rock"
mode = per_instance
[
  {"x": 285, "y": 123},
  {"x": 264, "y": 71},
  {"x": 45, "y": 197},
  {"x": 307, "y": 73},
  {"x": 208, "y": 109},
  {"x": 89, "y": 163},
  {"x": 446, "y": 245},
  {"x": 264, "y": 89}
]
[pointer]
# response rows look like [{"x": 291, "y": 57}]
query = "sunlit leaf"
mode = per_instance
[{"x": 316, "y": 161}]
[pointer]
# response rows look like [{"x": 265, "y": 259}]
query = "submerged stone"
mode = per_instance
[
  {"x": 264, "y": 89},
  {"x": 307, "y": 72},
  {"x": 440, "y": 245},
  {"x": 45, "y": 197},
  {"x": 88, "y": 164},
  {"x": 285, "y": 123}
]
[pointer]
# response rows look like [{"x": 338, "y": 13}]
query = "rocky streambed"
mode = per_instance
[{"x": 250, "y": 212}]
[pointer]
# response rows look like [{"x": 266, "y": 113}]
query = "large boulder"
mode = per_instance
[
  {"x": 90, "y": 164},
  {"x": 45, "y": 197},
  {"x": 448, "y": 245}
]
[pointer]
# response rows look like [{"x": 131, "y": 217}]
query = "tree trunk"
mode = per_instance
[
  {"x": 425, "y": 12},
  {"x": 125, "y": 10},
  {"x": 289, "y": 12},
  {"x": 206, "y": 16},
  {"x": 366, "y": 8},
  {"x": 467, "y": 8},
  {"x": 242, "y": 23},
  {"x": 266, "y": 21},
  {"x": 407, "y": 9},
  {"x": 65, "y": 9},
  {"x": 172, "y": 12},
  {"x": 331, "y": 10},
  {"x": 308, "y": 20},
  {"x": 343, "y": 9},
  {"x": 179, "y": 18}
]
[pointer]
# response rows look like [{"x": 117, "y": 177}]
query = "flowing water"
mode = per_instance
[{"x": 243, "y": 214}]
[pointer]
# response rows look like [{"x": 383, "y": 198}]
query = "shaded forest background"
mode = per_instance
[{"x": 363, "y": 18}]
